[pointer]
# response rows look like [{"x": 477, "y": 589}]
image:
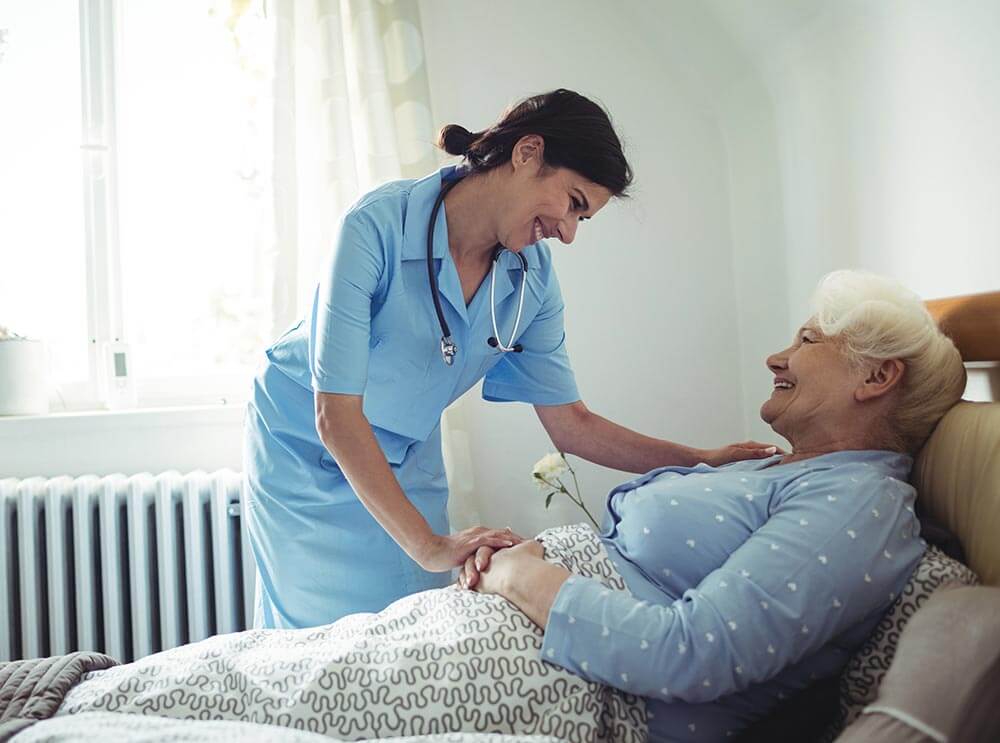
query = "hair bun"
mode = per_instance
[{"x": 455, "y": 139}]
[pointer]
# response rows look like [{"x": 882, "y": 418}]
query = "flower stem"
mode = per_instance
[{"x": 578, "y": 500}]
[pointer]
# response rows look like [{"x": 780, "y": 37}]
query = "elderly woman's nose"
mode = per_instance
[{"x": 777, "y": 362}]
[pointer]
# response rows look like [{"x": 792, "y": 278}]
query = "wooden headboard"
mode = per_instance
[{"x": 972, "y": 321}]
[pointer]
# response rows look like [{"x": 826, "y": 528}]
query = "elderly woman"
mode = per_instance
[
  {"x": 749, "y": 580},
  {"x": 712, "y": 593}
]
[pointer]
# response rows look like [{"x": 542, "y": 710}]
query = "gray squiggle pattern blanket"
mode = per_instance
[
  {"x": 101, "y": 727},
  {"x": 436, "y": 662}
]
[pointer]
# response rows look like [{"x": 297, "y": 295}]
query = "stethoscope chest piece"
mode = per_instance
[{"x": 448, "y": 350}]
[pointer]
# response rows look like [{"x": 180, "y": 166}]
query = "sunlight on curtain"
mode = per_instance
[{"x": 351, "y": 111}]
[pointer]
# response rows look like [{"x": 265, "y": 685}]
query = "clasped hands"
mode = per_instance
[{"x": 493, "y": 570}]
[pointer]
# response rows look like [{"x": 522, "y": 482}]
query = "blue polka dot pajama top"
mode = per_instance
[{"x": 748, "y": 582}]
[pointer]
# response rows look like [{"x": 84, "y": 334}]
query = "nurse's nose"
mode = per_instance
[{"x": 567, "y": 230}]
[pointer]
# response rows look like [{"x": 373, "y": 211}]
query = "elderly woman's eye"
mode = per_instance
[{"x": 807, "y": 339}]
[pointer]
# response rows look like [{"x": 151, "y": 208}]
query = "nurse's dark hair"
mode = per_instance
[{"x": 577, "y": 131}]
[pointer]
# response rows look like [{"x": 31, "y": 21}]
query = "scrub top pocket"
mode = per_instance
[{"x": 428, "y": 458}]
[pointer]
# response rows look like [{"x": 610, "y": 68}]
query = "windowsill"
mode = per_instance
[{"x": 96, "y": 421}]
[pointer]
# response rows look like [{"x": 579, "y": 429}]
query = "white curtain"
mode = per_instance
[{"x": 351, "y": 111}]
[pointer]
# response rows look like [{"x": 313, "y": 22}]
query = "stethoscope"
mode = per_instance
[{"x": 448, "y": 347}]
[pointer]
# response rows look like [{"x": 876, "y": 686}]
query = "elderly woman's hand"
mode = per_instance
[
  {"x": 738, "y": 452},
  {"x": 522, "y": 576},
  {"x": 488, "y": 569}
]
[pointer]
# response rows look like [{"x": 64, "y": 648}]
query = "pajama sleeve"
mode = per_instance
[{"x": 826, "y": 559}]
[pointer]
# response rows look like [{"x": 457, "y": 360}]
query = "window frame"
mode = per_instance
[{"x": 100, "y": 189}]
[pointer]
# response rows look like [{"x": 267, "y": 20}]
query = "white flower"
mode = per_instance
[
  {"x": 546, "y": 475},
  {"x": 550, "y": 467}
]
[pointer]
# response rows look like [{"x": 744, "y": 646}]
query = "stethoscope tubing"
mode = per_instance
[
  {"x": 432, "y": 277},
  {"x": 448, "y": 348},
  {"x": 493, "y": 308}
]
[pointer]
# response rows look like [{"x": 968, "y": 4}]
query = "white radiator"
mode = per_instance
[{"x": 127, "y": 566}]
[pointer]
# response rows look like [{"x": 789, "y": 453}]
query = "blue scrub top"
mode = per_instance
[{"x": 373, "y": 331}]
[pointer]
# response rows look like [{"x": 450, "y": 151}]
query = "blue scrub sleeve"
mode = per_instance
[
  {"x": 541, "y": 374},
  {"x": 341, "y": 316},
  {"x": 793, "y": 586}
]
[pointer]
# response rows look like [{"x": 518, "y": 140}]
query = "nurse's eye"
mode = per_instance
[{"x": 577, "y": 205}]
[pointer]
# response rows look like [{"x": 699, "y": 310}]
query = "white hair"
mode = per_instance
[{"x": 877, "y": 318}]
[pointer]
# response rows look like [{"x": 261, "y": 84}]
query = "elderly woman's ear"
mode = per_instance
[{"x": 881, "y": 380}]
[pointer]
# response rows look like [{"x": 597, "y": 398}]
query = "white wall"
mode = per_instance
[
  {"x": 651, "y": 315},
  {"x": 757, "y": 225},
  {"x": 888, "y": 117}
]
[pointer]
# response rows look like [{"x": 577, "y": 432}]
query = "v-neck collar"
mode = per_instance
[{"x": 420, "y": 203}]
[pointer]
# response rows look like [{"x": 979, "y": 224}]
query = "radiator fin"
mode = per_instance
[{"x": 126, "y": 566}]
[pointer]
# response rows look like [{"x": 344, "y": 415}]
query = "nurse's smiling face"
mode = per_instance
[{"x": 544, "y": 202}]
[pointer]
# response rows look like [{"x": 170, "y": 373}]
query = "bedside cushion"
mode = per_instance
[
  {"x": 861, "y": 678},
  {"x": 943, "y": 684},
  {"x": 957, "y": 477}
]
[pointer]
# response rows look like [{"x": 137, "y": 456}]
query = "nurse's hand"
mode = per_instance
[
  {"x": 446, "y": 552},
  {"x": 468, "y": 576},
  {"x": 738, "y": 452},
  {"x": 497, "y": 574},
  {"x": 475, "y": 564}
]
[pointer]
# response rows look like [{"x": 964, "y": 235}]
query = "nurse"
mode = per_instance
[{"x": 347, "y": 495}]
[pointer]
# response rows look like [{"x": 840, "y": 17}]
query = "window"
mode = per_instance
[
  {"x": 42, "y": 239},
  {"x": 135, "y": 200},
  {"x": 194, "y": 199}
]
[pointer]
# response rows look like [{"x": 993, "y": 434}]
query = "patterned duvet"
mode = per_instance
[{"x": 441, "y": 661}]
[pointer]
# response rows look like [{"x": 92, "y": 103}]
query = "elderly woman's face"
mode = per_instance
[{"x": 814, "y": 384}]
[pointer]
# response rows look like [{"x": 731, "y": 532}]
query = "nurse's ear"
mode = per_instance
[{"x": 528, "y": 152}]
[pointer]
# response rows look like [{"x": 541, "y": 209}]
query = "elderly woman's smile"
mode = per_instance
[{"x": 813, "y": 387}]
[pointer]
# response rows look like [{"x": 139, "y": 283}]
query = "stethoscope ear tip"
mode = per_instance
[{"x": 493, "y": 343}]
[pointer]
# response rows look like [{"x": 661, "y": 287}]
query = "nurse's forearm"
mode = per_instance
[
  {"x": 347, "y": 434},
  {"x": 576, "y": 430}
]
